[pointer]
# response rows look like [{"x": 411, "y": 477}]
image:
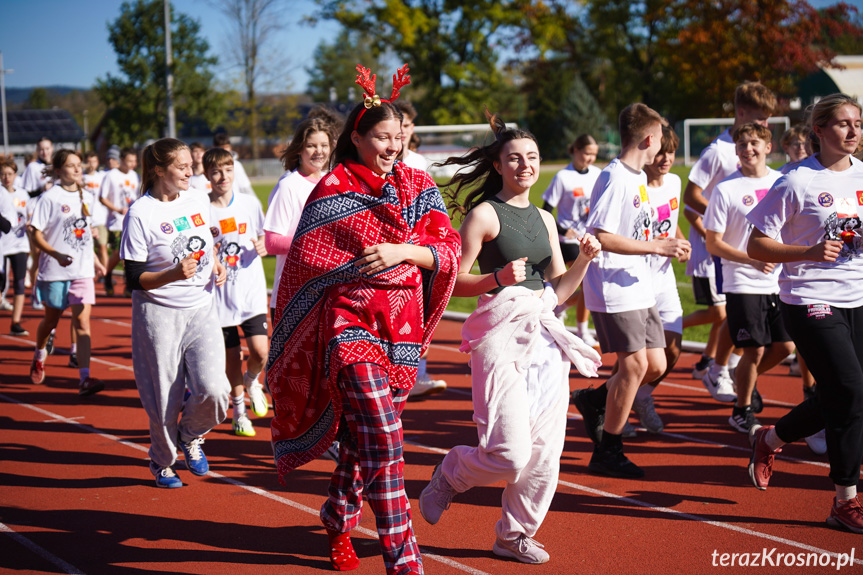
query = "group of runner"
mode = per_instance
[{"x": 367, "y": 259}]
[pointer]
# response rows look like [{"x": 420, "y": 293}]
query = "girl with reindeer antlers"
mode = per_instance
[{"x": 369, "y": 273}]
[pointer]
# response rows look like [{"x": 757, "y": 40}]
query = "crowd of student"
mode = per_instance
[{"x": 367, "y": 259}]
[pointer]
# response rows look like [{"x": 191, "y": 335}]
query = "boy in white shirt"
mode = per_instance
[
  {"x": 199, "y": 179},
  {"x": 751, "y": 286},
  {"x": 753, "y": 102},
  {"x": 119, "y": 189},
  {"x": 34, "y": 179},
  {"x": 238, "y": 232},
  {"x": 242, "y": 183},
  {"x": 618, "y": 289}
]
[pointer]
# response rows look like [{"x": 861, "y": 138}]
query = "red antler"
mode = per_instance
[
  {"x": 366, "y": 83},
  {"x": 400, "y": 80}
]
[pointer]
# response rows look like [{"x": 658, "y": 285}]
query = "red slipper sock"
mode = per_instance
[{"x": 342, "y": 554}]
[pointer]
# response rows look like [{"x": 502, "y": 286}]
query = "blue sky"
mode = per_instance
[{"x": 65, "y": 42}]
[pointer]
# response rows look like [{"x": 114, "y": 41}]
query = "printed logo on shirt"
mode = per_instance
[
  {"x": 128, "y": 183},
  {"x": 860, "y": 197},
  {"x": 636, "y": 202},
  {"x": 228, "y": 225},
  {"x": 759, "y": 194},
  {"x": 673, "y": 204},
  {"x": 197, "y": 220},
  {"x": 845, "y": 208},
  {"x": 242, "y": 228},
  {"x": 166, "y": 228},
  {"x": 182, "y": 247},
  {"x": 231, "y": 259},
  {"x": 818, "y": 310},
  {"x": 182, "y": 224},
  {"x": 75, "y": 232},
  {"x": 743, "y": 334},
  {"x": 642, "y": 191},
  {"x": 748, "y": 200},
  {"x": 578, "y": 193},
  {"x": 215, "y": 231},
  {"x": 825, "y": 199},
  {"x": 65, "y": 209}
]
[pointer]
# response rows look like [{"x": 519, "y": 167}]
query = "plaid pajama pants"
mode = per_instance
[{"x": 371, "y": 464}]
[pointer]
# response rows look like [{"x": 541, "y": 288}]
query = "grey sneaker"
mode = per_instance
[
  {"x": 436, "y": 497},
  {"x": 647, "y": 415},
  {"x": 523, "y": 549}
]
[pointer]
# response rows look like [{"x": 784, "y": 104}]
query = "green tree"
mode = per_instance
[
  {"x": 334, "y": 66},
  {"x": 136, "y": 100},
  {"x": 37, "y": 99}
]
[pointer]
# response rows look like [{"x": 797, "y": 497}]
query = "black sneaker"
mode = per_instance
[
  {"x": 613, "y": 463},
  {"x": 109, "y": 286},
  {"x": 18, "y": 330},
  {"x": 757, "y": 403},
  {"x": 592, "y": 417},
  {"x": 73, "y": 360},
  {"x": 49, "y": 347},
  {"x": 742, "y": 419}
]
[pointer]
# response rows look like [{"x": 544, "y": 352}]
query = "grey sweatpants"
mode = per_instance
[{"x": 174, "y": 349}]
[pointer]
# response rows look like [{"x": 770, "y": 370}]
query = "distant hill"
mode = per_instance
[{"x": 17, "y": 96}]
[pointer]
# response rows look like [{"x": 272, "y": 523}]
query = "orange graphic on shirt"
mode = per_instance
[
  {"x": 578, "y": 193},
  {"x": 860, "y": 197},
  {"x": 673, "y": 203},
  {"x": 227, "y": 226},
  {"x": 198, "y": 255},
  {"x": 232, "y": 261},
  {"x": 197, "y": 220},
  {"x": 243, "y": 228}
]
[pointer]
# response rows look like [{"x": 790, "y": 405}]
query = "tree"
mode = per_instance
[
  {"x": 334, "y": 67},
  {"x": 254, "y": 24},
  {"x": 38, "y": 99},
  {"x": 136, "y": 100}
]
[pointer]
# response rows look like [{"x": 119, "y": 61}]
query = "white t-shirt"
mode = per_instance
[
  {"x": 121, "y": 190},
  {"x": 59, "y": 215},
  {"x": 16, "y": 241},
  {"x": 33, "y": 179},
  {"x": 620, "y": 204},
  {"x": 665, "y": 201},
  {"x": 93, "y": 183},
  {"x": 416, "y": 161},
  {"x": 200, "y": 182},
  {"x": 717, "y": 162},
  {"x": 244, "y": 294},
  {"x": 569, "y": 192},
  {"x": 10, "y": 214},
  {"x": 242, "y": 183},
  {"x": 806, "y": 207},
  {"x": 726, "y": 212},
  {"x": 163, "y": 233},
  {"x": 284, "y": 209}
]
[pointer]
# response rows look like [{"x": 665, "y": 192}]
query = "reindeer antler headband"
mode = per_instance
[{"x": 366, "y": 81}]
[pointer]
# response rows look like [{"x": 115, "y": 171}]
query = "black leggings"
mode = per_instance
[
  {"x": 831, "y": 342},
  {"x": 17, "y": 264}
]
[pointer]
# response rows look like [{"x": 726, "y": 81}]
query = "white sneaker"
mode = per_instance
[
  {"x": 588, "y": 339},
  {"x": 427, "y": 386},
  {"x": 817, "y": 443},
  {"x": 523, "y": 549},
  {"x": 5, "y": 305},
  {"x": 722, "y": 388},
  {"x": 647, "y": 415},
  {"x": 257, "y": 399},
  {"x": 243, "y": 426},
  {"x": 436, "y": 497},
  {"x": 629, "y": 430},
  {"x": 698, "y": 373}
]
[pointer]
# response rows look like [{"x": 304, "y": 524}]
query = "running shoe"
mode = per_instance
[
  {"x": 257, "y": 399},
  {"x": 5, "y": 305},
  {"x": 761, "y": 460},
  {"x": 522, "y": 549},
  {"x": 332, "y": 451},
  {"x": 592, "y": 417},
  {"x": 702, "y": 367},
  {"x": 742, "y": 419},
  {"x": 847, "y": 514},
  {"x": 243, "y": 426},
  {"x": 646, "y": 412},
  {"x": 427, "y": 386},
  {"x": 37, "y": 371},
  {"x": 436, "y": 497},
  {"x": 49, "y": 347},
  {"x": 89, "y": 386},
  {"x": 37, "y": 306},
  {"x": 18, "y": 330},
  {"x": 629, "y": 431},
  {"x": 589, "y": 339},
  {"x": 165, "y": 477},
  {"x": 613, "y": 463},
  {"x": 73, "y": 360},
  {"x": 756, "y": 401},
  {"x": 109, "y": 286},
  {"x": 817, "y": 443},
  {"x": 196, "y": 461},
  {"x": 721, "y": 388}
]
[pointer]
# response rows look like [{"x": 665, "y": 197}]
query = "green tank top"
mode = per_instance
[{"x": 522, "y": 234}]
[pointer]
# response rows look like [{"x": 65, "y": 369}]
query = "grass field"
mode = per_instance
[{"x": 684, "y": 285}]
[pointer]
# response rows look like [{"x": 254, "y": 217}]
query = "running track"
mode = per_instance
[{"x": 76, "y": 495}]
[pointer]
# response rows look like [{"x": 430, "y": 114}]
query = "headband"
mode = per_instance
[{"x": 371, "y": 99}]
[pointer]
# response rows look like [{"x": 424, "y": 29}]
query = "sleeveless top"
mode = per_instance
[{"x": 522, "y": 234}]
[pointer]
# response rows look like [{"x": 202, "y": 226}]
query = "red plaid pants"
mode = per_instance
[{"x": 371, "y": 465}]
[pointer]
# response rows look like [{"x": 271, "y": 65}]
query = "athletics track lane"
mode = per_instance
[{"x": 76, "y": 494}]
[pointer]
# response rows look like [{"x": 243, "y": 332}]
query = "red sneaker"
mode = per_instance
[
  {"x": 848, "y": 514},
  {"x": 90, "y": 386},
  {"x": 342, "y": 554},
  {"x": 37, "y": 371},
  {"x": 761, "y": 460}
]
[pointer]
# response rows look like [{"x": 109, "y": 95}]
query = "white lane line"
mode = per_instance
[
  {"x": 40, "y": 551},
  {"x": 674, "y": 512},
  {"x": 234, "y": 482}
]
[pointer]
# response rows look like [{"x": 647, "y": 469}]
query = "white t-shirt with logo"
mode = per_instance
[
  {"x": 244, "y": 294},
  {"x": 569, "y": 192},
  {"x": 200, "y": 182},
  {"x": 60, "y": 217},
  {"x": 93, "y": 183},
  {"x": 10, "y": 214},
  {"x": 717, "y": 162},
  {"x": 16, "y": 241},
  {"x": 620, "y": 204},
  {"x": 163, "y": 233},
  {"x": 806, "y": 207},
  {"x": 284, "y": 209},
  {"x": 726, "y": 212},
  {"x": 665, "y": 202},
  {"x": 121, "y": 190},
  {"x": 33, "y": 179}
]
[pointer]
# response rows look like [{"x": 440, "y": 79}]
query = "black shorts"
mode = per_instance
[
  {"x": 569, "y": 252},
  {"x": 706, "y": 292},
  {"x": 755, "y": 320},
  {"x": 253, "y": 326}
]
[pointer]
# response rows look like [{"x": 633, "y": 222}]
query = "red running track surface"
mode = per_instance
[{"x": 76, "y": 495}]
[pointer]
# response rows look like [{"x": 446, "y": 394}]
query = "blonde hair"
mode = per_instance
[
  {"x": 160, "y": 153},
  {"x": 823, "y": 112}
]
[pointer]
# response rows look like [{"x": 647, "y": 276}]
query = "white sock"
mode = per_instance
[
  {"x": 73, "y": 349},
  {"x": 772, "y": 440},
  {"x": 41, "y": 354},
  {"x": 239, "y": 404},
  {"x": 421, "y": 369},
  {"x": 84, "y": 373},
  {"x": 733, "y": 361},
  {"x": 582, "y": 327},
  {"x": 644, "y": 392},
  {"x": 716, "y": 369},
  {"x": 249, "y": 379},
  {"x": 844, "y": 493}
]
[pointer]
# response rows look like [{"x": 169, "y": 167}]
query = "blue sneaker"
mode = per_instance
[
  {"x": 165, "y": 477},
  {"x": 196, "y": 461}
]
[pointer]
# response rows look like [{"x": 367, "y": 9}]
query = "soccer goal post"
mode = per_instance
[
  {"x": 707, "y": 135},
  {"x": 437, "y": 143}
]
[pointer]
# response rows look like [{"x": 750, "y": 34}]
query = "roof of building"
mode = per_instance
[{"x": 29, "y": 126}]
